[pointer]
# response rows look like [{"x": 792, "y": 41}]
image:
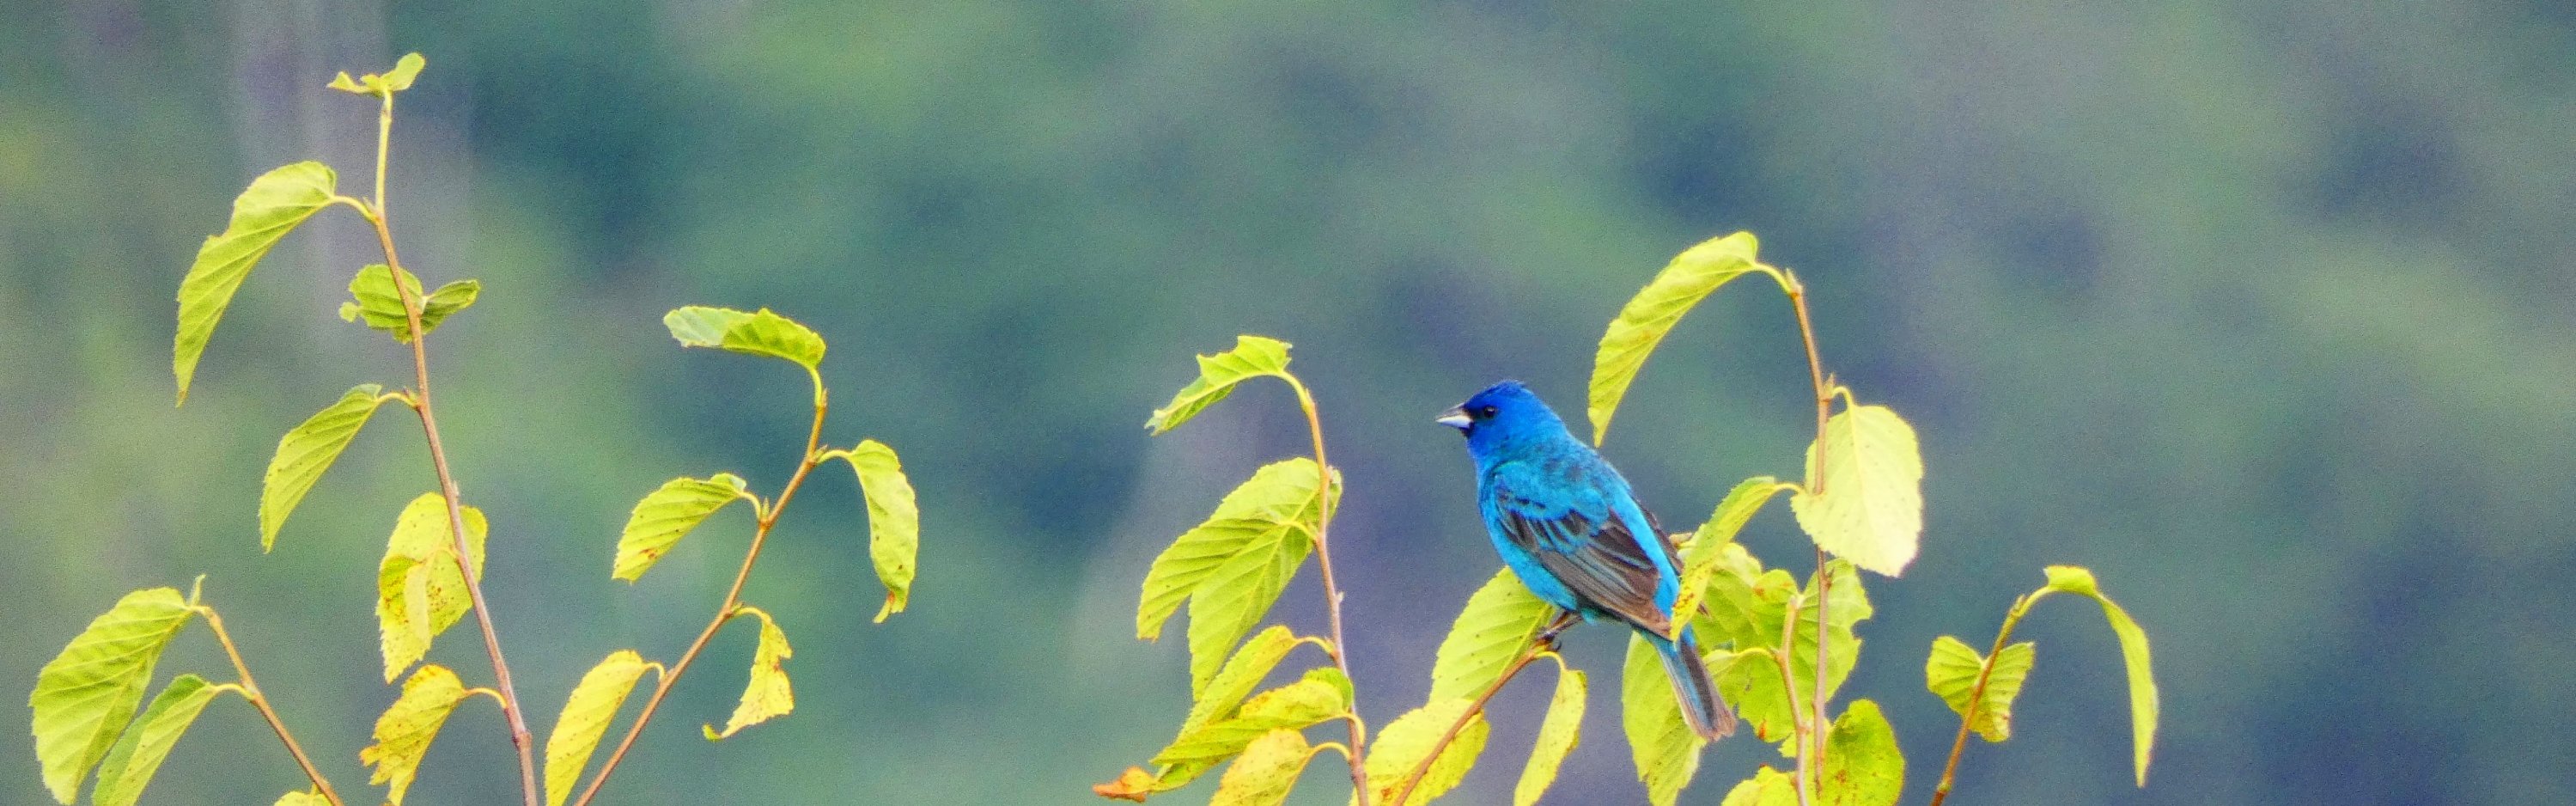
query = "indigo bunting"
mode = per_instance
[{"x": 1569, "y": 527}]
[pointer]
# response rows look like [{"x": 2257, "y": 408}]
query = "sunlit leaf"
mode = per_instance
[
  {"x": 594, "y": 702},
  {"x": 1863, "y": 766},
  {"x": 1642, "y": 323},
  {"x": 1237, "y": 595},
  {"x": 413, "y": 607},
  {"x": 757, "y": 333},
  {"x": 1491, "y": 632},
  {"x": 302, "y": 798},
  {"x": 894, "y": 520},
  {"x": 377, "y": 303},
  {"x": 392, "y": 81},
  {"x": 1745, "y": 608},
  {"x": 1701, "y": 556},
  {"x": 405, "y": 730},
  {"x": 1405, "y": 742},
  {"x": 264, "y": 213},
  {"x": 306, "y": 452},
  {"x": 2143, "y": 708},
  {"x": 405, "y": 69},
  {"x": 1279, "y": 497},
  {"x": 1135, "y": 784},
  {"x": 1265, "y": 773},
  {"x": 84, "y": 696},
  {"x": 1252, "y": 357},
  {"x": 1871, "y": 508},
  {"x": 667, "y": 514},
  {"x": 768, "y": 695},
  {"x": 1320, "y": 695},
  {"x": 1767, "y": 787},
  {"x": 1242, "y": 673},
  {"x": 1952, "y": 670},
  {"x": 1660, "y": 741},
  {"x": 136, "y": 756},
  {"x": 1557, "y": 735}
]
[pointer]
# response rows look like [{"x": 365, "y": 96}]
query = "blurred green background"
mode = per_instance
[{"x": 2262, "y": 310}]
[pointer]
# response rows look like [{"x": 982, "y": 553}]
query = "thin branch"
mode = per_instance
[
  {"x": 1797, "y": 293},
  {"x": 411, "y": 303},
  {"x": 1977, "y": 695},
  {"x": 1789, "y": 691},
  {"x": 1536, "y": 650},
  {"x": 1332, "y": 591},
  {"x": 250, "y": 691},
  {"x": 733, "y": 597}
]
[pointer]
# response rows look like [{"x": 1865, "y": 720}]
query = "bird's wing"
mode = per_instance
[{"x": 1578, "y": 537}]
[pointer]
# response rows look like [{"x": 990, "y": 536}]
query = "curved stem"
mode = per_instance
[
  {"x": 1815, "y": 736},
  {"x": 1536, "y": 650},
  {"x": 732, "y": 602},
  {"x": 420, "y": 403},
  {"x": 1977, "y": 693},
  {"x": 249, "y": 689},
  {"x": 1798, "y": 726},
  {"x": 1332, "y": 591}
]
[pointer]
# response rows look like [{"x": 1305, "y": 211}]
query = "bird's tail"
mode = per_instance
[{"x": 1691, "y": 685}]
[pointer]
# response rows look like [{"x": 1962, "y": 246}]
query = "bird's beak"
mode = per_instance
[{"x": 1455, "y": 417}]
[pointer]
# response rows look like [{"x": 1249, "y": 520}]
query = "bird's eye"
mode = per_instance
[{"x": 1488, "y": 412}]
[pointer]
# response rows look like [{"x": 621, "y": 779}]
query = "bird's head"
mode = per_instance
[{"x": 1503, "y": 415}]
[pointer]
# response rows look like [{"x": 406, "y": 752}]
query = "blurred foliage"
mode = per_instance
[{"x": 2261, "y": 308}]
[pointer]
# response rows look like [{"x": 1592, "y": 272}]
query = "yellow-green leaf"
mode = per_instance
[
  {"x": 1767, "y": 787},
  {"x": 1252, "y": 357},
  {"x": 1490, "y": 633},
  {"x": 894, "y": 520},
  {"x": 757, "y": 333},
  {"x": 1642, "y": 323},
  {"x": 768, "y": 695},
  {"x": 2143, "y": 707},
  {"x": 1237, "y": 595},
  {"x": 392, "y": 81},
  {"x": 1952, "y": 670},
  {"x": 1266, "y": 772},
  {"x": 130, "y": 765},
  {"x": 378, "y": 304},
  {"x": 1557, "y": 735},
  {"x": 1871, "y": 509},
  {"x": 1702, "y": 555},
  {"x": 306, "y": 452},
  {"x": 264, "y": 213},
  {"x": 414, "y": 606},
  {"x": 1749, "y": 680},
  {"x": 667, "y": 514},
  {"x": 405, "y": 730},
  {"x": 585, "y": 719},
  {"x": 1279, "y": 497},
  {"x": 1662, "y": 744},
  {"x": 302, "y": 798},
  {"x": 1863, "y": 766},
  {"x": 405, "y": 69},
  {"x": 1320, "y": 695},
  {"x": 84, "y": 696},
  {"x": 1242, "y": 673},
  {"x": 1405, "y": 742}
]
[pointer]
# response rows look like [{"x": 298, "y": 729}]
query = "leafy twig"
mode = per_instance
[
  {"x": 1332, "y": 591},
  {"x": 1977, "y": 697},
  {"x": 1797, "y": 293},
  {"x": 1537, "y": 649}
]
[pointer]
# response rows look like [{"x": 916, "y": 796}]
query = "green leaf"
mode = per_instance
[
  {"x": 1320, "y": 695},
  {"x": 405, "y": 69},
  {"x": 1701, "y": 556},
  {"x": 84, "y": 696},
  {"x": 420, "y": 590},
  {"x": 1557, "y": 735},
  {"x": 306, "y": 452},
  {"x": 392, "y": 81},
  {"x": 1252, "y": 357},
  {"x": 768, "y": 695},
  {"x": 894, "y": 520},
  {"x": 758, "y": 333},
  {"x": 1952, "y": 670},
  {"x": 1490, "y": 633},
  {"x": 665, "y": 515},
  {"x": 1745, "y": 608},
  {"x": 1279, "y": 497},
  {"x": 585, "y": 719},
  {"x": 1405, "y": 742},
  {"x": 405, "y": 730},
  {"x": 1871, "y": 510},
  {"x": 1767, "y": 787},
  {"x": 1237, "y": 595},
  {"x": 378, "y": 304},
  {"x": 130, "y": 765},
  {"x": 1863, "y": 766},
  {"x": 2143, "y": 708},
  {"x": 1663, "y": 746},
  {"x": 1242, "y": 673},
  {"x": 269, "y": 209},
  {"x": 1266, "y": 772},
  {"x": 301, "y": 798},
  {"x": 1642, "y": 323}
]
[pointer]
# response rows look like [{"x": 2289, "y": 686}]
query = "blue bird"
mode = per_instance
[{"x": 1569, "y": 527}]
